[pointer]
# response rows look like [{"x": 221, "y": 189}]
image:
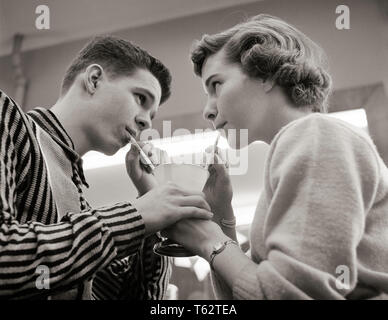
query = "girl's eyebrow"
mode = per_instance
[{"x": 209, "y": 79}]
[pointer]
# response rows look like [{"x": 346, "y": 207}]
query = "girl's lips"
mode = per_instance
[{"x": 221, "y": 126}]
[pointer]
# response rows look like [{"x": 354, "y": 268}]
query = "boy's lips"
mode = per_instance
[{"x": 131, "y": 132}]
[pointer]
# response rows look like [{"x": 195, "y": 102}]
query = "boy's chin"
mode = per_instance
[{"x": 111, "y": 149}]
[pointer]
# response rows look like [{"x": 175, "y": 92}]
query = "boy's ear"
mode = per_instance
[
  {"x": 268, "y": 84},
  {"x": 92, "y": 77}
]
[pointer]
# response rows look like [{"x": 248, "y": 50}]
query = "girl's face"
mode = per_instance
[{"x": 236, "y": 101}]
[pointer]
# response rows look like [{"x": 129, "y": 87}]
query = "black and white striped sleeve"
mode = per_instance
[
  {"x": 72, "y": 250},
  {"x": 157, "y": 270},
  {"x": 143, "y": 276}
]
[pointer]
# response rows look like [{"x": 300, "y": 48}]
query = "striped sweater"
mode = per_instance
[{"x": 104, "y": 244}]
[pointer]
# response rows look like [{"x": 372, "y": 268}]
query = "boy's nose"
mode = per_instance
[{"x": 143, "y": 123}]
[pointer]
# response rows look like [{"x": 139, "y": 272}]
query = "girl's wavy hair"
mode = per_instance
[{"x": 271, "y": 49}]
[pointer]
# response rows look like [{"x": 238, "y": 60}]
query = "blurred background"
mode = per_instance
[{"x": 33, "y": 61}]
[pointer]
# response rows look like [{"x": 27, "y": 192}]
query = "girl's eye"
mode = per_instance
[
  {"x": 216, "y": 85},
  {"x": 140, "y": 98}
]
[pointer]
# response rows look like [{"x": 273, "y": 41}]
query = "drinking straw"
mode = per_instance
[
  {"x": 218, "y": 138},
  {"x": 143, "y": 156}
]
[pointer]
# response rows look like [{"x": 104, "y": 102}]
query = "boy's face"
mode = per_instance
[
  {"x": 234, "y": 99},
  {"x": 122, "y": 107}
]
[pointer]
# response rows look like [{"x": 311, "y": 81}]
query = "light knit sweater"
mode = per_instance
[
  {"x": 322, "y": 217},
  {"x": 65, "y": 193}
]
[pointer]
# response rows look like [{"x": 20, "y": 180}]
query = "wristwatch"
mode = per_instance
[{"x": 218, "y": 248}]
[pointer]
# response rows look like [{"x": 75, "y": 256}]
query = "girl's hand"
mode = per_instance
[
  {"x": 218, "y": 188},
  {"x": 196, "y": 235}
]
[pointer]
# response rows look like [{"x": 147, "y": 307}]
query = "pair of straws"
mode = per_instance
[{"x": 147, "y": 161}]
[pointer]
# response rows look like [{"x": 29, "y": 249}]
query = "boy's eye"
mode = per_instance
[{"x": 140, "y": 98}]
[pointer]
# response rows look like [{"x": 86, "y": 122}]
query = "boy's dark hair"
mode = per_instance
[{"x": 118, "y": 57}]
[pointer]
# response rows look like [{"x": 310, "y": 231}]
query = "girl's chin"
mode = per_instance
[
  {"x": 240, "y": 146},
  {"x": 238, "y": 141}
]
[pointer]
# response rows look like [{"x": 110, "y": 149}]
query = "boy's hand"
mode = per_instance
[
  {"x": 165, "y": 205},
  {"x": 139, "y": 173}
]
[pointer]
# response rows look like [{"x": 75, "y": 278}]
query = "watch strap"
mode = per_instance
[{"x": 217, "y": 251}]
